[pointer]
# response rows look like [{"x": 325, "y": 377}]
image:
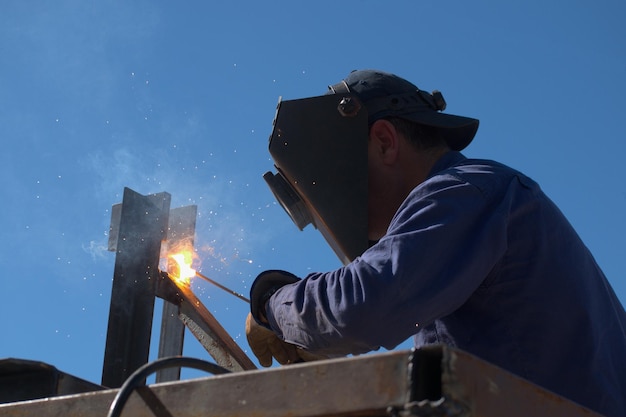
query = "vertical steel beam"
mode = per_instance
[
  {"x": 143, "y": 224},
  {"x": 180, "y": 237}
]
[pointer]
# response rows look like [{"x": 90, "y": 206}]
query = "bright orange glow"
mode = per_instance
[{"x": 181, "y": 270}]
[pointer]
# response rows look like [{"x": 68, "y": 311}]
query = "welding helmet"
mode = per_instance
[{"x": 319, "y": 147}]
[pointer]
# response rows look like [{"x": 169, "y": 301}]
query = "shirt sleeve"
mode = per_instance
[{"x": 441, "y": 244}]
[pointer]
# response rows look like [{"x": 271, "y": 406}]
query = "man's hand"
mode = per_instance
[{"x": 265, "y": 345}]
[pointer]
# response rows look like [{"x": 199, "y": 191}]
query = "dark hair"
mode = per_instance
[{"x": 421, "y": 136}]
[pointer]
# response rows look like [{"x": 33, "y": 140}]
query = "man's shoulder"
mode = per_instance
[
  {"x": 455, "y": 162},
  {"x": 486, "y": 166},
  {"x": 487, "y": 175}
]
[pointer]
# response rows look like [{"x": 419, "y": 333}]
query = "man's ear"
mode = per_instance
[{"x": 384, "y": 139}]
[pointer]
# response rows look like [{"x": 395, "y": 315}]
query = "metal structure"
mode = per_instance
[
  {"x": 140, "y": 226},
  {"x": 438, "y": 381}
]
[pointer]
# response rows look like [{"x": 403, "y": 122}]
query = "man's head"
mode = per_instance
[
  {"x": 339, "y": 154},
  {"x": 387, "y": 96}
]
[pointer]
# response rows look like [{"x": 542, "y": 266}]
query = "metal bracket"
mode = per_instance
[{"x": 203, "y": 325}]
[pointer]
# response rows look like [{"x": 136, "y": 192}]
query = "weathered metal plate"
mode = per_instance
[
  {"x": 362, "y": 386},
  {"x": 487, "y": 390},
  {"x": 437, "y": 381}
]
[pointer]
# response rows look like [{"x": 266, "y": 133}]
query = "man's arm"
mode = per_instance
[{"x": 440, "y": 246}]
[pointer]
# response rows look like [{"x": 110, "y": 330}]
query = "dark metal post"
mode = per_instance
[{"x": 143, "y": 223}]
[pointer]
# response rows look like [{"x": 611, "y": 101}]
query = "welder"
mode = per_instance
[{"x": 435, "y": 246}]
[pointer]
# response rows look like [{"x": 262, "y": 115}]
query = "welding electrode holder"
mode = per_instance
[{"x": 263, "y": 287}]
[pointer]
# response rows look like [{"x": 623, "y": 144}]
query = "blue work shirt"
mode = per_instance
[{"x": 479, "y": 258}]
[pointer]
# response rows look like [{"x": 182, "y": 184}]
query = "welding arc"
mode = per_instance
[{"x": 217, "y": 284}]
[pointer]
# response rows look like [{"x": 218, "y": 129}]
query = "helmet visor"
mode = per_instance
[{"x": 319, "y": 147}]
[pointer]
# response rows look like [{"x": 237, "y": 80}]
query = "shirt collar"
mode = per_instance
[{"x": 447, "y": 160}]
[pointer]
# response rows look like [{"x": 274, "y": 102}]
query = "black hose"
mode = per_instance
[{"x": 137, "y": 378}]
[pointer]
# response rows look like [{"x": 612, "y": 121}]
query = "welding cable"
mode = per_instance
[{"x": 138, "y": 378}]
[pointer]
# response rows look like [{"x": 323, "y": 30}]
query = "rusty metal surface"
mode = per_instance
[
  {"x": 437, "y": 381},
  {"x": 487, "y": 390},
  {"x": 363, "y": 386},
  {"x": 450, "y": 382},
  {"x": 204, "y": 326}
]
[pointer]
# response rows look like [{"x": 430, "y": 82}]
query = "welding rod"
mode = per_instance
[{"x": 217, "y": 284}]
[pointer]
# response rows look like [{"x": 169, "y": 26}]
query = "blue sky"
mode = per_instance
[{"x": 179, "y": 97}]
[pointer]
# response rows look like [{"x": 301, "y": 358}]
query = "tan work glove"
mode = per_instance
[{"x": 266, "y": 345}]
